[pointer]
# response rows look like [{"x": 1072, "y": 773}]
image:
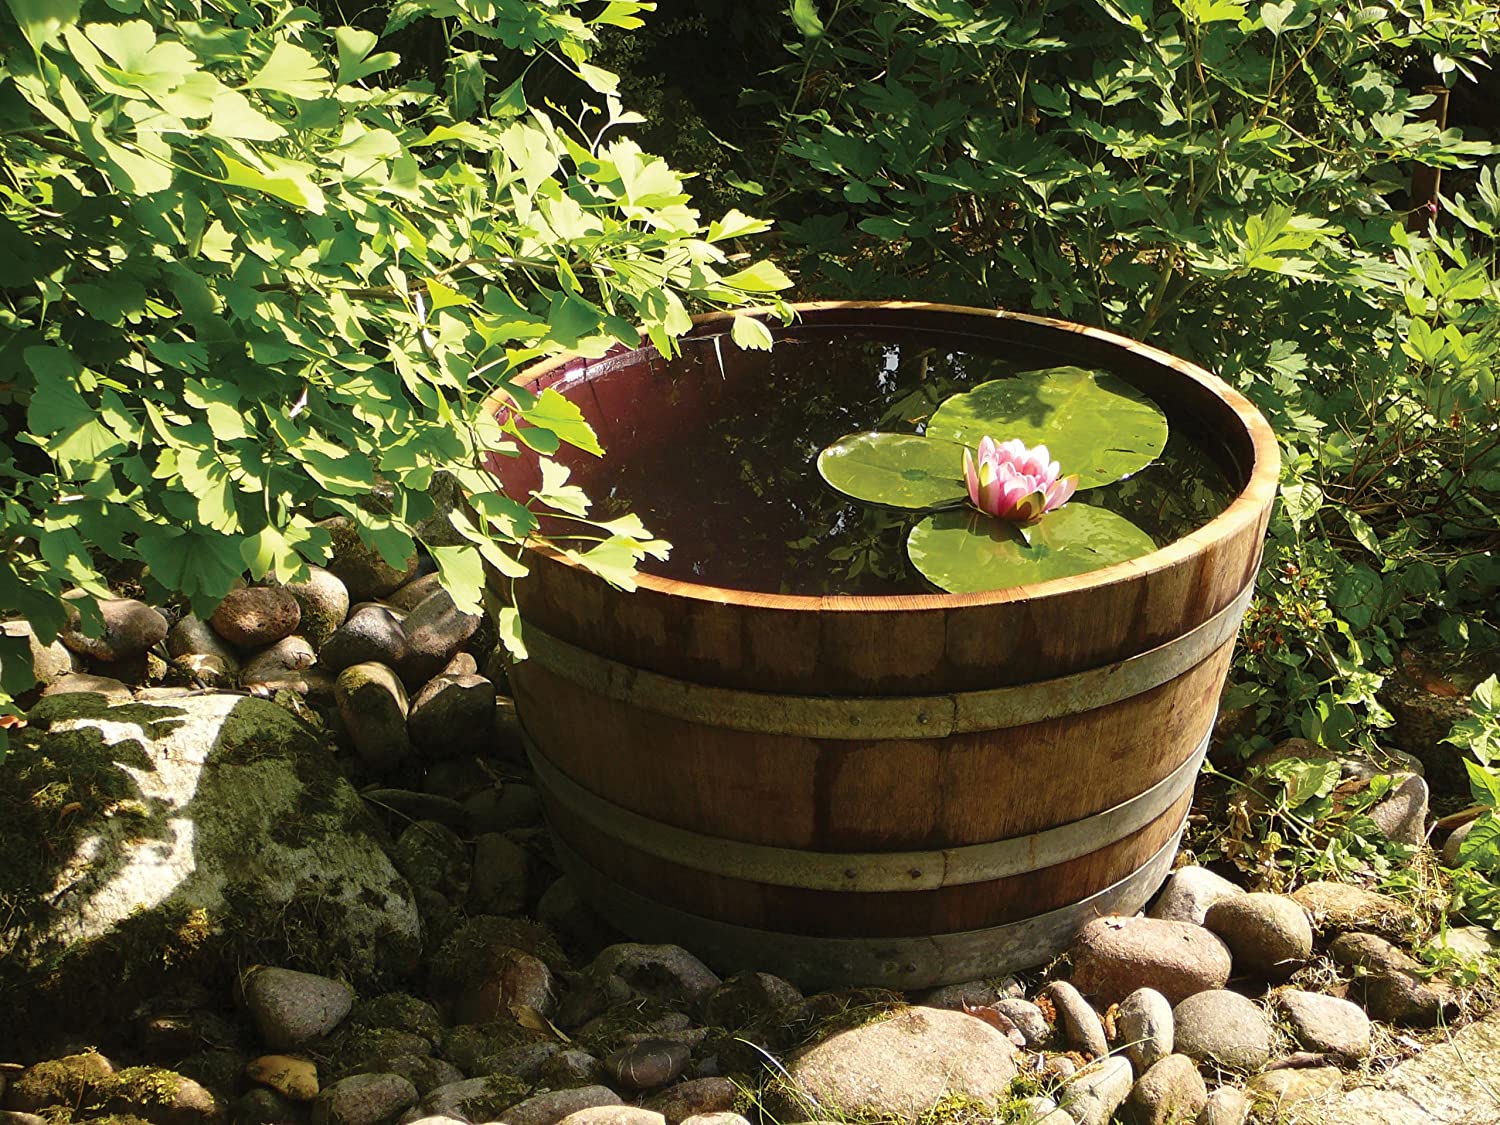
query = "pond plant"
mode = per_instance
[{"x": 1017, "y": 526}]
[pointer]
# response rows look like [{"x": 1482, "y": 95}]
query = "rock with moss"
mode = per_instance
[
  {"x": 200, "y": 831},
  {"x": 72, "y": 1080},
  {"x": 476, "y": 1099},
  {"x": 486, "y": 1048},
  {"x": 668, "y": 974},
  {"x": 361, "y": 1050},
  {"x": 400, "y": 1010},
  {"x": 163, "y": 1097},
  {"x": 364, "y": 1099},
  {"x": 471, "y": 950}
]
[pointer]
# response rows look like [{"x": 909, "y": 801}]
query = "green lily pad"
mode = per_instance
[
  {"x": 1093, "y": 423},
  {"x": 965, "y": 552},
  {"x": 900, "y": 470}
]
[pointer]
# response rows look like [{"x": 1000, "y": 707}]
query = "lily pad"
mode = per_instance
[
  {"x": 964, "y": 552},
  {"x": 900, "y": 470},
  {"x": 1093, "y": 423}
]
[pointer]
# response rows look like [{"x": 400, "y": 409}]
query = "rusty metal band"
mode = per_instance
[
  {"x": 881, "y": 717},
  {"x": 898, "y": 963},
  {"x": 868, "y": 871}
]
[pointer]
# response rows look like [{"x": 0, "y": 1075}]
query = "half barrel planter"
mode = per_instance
[{"x": 897, "y": 791}]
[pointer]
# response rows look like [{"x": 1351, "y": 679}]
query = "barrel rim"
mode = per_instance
[{"x": 1244, "y": 512}]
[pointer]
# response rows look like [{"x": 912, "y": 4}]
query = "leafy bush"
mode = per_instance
[
  {"x": 1228, "y": 180},
  {"x": 256, "y": 275}
]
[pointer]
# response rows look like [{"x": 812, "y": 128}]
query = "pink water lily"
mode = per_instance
[{"x": 1012, "y": 482}]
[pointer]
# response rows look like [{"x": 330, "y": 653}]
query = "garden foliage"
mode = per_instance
[
  {"x": 1228, "y": 180},
  {"x": 258, "y": 271}
]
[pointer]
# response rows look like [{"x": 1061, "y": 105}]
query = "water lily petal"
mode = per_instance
[{"x": 971, "y": 478}]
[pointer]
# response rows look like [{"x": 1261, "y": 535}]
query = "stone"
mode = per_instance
[
  {"x": 1452, "y": 1082},
  {"x": 253, "y": 616},
  {"x": 1113, "y": 956},
  {"x": 424, "y": 1072},
  {"x": 368, "y": 1050},
  {"x": 78, "y": 683},
  {"x": 614, "y": 1115},
  {"x": 510, "y": 742},
  {"x": 1326, "y": 1024},
  {"x": 262, "y": 1106},
  {"x": 130, "y": 628},
  {"x": 372, "y": 704},
  {"x": 1171, "y": 1092},
  {"x": 192, "y": 636},
  {"x": 647, "y": 1064},
  {"x": 323, "y": 600},
  {"x": 1268, "y": 935},
  {"x": 1476, "y": 944},
  {"x": 1426, "y": 697},
  {"x": 668, "y": 974},
  {"x": 67, "y": 1081},
  {"x": 1144, "y": 1028},
  {"x": 749, "y": 998},
  {"x": 1226, "y": 1105},
  {"x": 901, "y": 1067},
  {"x": 462, "y": 664},
  {"x": 1277, "y": 1089},
  {"x": 364, "y": 1099},
  {"x": 452, "y": 715},
  {"x": 48, "y": 661},
  {"x": 552, "y": 1107},
  {"x": 409, "y": 805},
  {"x": 242, "y": 837},
  {"x": 294, "y": 1078},
  {"x": 413, "y": 593},
  {"x": 359, "y": 566},
  {"x": 435, "y": 630},
  {"x": 207, "y": 670},
  {"x": 162, "y": 1097},
  {"x": 292, "y": 1008},
  {"x": 722, "y": 1118},
  {"x": 1095, "y": 1092},
  {"x": 1188, "y": 894},
  {"x": 1027, "y": 1017},
  {"x": 1081, "y": 1027},
  {"x": 1455, "y": 842},
  {"x": 1058, "y": 1068},
  {"x": 1402, "y": 813},
  {"x": 457, "y": 778},
  {"x": 475, "y": 1099},
  {"x": 399, "y": 1010},
  {"x": 571, "y": 1067},
  {"x": 512, "y": 805},
  {"x": 562, "y": 911},
  {"x": 969, "y": 994},
  {"x": 281, "y": 662},
  {"x": 1393, "y": 987},
  {"x": 1337, "y": 907},
  {"x": 1224, "y": 1029},
  {"x": 501, "y": 876},
  {"x": 373, "y": 633},
  {"x": 695, "y": 1098},
  {"x": 432, "y": 856},
  {"x": 511, "y": 980}
]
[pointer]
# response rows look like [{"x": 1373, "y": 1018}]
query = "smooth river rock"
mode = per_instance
[
  {"x": 1268, "y": 935},
  {"x": 1114, "y": 955},
  {"x": 900, "y": 1068}
]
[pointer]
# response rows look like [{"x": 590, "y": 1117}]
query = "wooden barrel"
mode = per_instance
[{"x": 898, "y": 791}]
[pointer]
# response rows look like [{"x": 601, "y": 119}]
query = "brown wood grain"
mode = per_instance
[{"x": 884, "y": 914}]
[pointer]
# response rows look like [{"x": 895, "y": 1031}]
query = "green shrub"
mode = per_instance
[
  {"x": 256, "y": 274},
  {"x": 1228, "y": 180}
]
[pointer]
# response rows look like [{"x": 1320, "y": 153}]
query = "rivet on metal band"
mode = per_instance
[{"x": 881, "y": 717}]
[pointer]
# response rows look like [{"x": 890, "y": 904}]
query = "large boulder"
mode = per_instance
[{"x": 201, "y": 832}]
